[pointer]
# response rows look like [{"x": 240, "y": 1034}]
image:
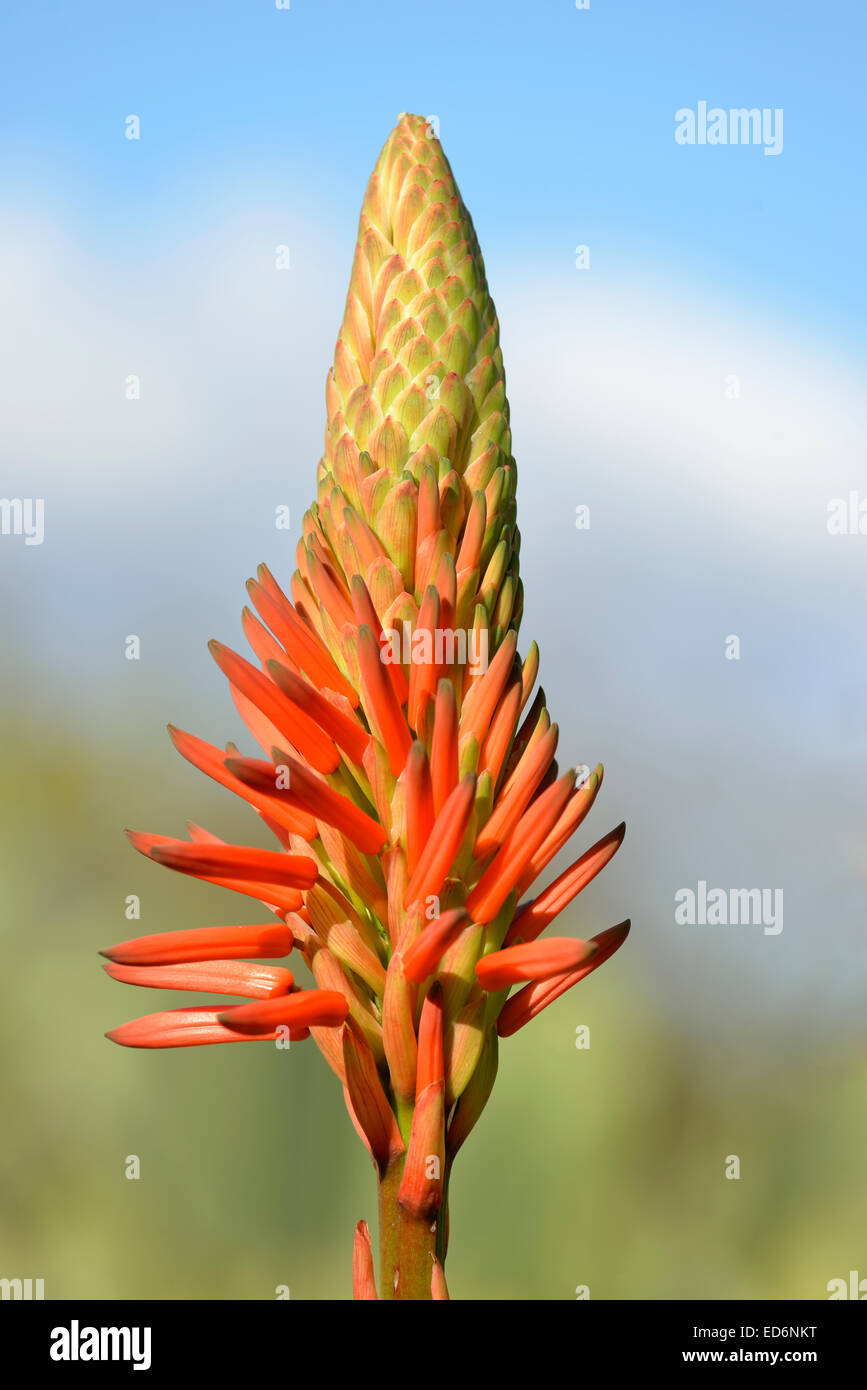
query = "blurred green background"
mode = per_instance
[{"x": 600, "y": 1167}]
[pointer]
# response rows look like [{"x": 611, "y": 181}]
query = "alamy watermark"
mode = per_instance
[
  {"x": 441, "y": 647},
  {"x": 77, "y": 1343},
  {"x": 738, "y": 126},
  {"x": 26, "y": 1289},
  {"x": 23, "y": 516},
  {"x": 847, "y": 516},
  {"x": 855, "y": 1287},
  {"x": 730, "y": 907}
]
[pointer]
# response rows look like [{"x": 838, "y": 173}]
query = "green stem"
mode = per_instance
[
  {"x": 407, "y": 1244},
  {"x": 442, "y": 1233}
]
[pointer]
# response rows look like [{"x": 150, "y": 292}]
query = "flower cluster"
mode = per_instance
[{"x": 413, "y": 792}]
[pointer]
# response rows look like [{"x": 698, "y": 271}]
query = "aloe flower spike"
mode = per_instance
[{"x": 405, "y": 771}]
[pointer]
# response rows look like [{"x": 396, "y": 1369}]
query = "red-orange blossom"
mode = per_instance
[{"x": 409, "y": 776}]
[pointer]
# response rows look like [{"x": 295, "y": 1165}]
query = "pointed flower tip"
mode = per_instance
[
  {"x": 431, "y": 1066},
  {"x": 535, "y": 916},
  {"x": 424, "y": 954},
  {"x": 421, "y": 1186},
  {"x": 444, "y": 842},
  {"x": 536, "y": 960},
  {"x": 268, "y": 939},
  {"x": 363, "y": 1281},
  {"x": 307, "y": 1008},
  {"x": 369, "y": 1106},
  {"x": 239, "y": 977},
  {"x": 536, "y": 996},
  {"x": 438, "y": 1288},
  {"x": 205, "y": 859},
  {"x": 187, "y": 1027}
]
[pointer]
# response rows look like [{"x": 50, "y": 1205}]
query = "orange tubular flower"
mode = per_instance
[
  {"x": 363, "y": 1278},
  {"x": 406, "y": 770},
  {"x": 537, "y": 961}
]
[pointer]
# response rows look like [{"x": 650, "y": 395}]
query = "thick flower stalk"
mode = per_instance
[{"x": 408, "y": 772}]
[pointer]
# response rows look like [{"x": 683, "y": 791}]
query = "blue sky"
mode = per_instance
[{"x": 558, "y": 122}]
